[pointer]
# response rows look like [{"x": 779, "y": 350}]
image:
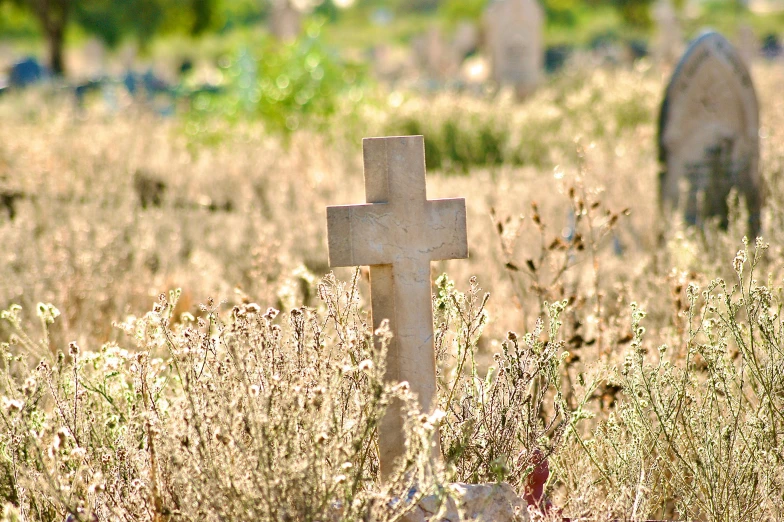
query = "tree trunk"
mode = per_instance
[
  {"x": 53, "y": 15},
  {"x": 55, "y": 41}
]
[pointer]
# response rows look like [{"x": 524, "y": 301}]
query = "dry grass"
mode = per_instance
[{"x": 682, "y": 420}]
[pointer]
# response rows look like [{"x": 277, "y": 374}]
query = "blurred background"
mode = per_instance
[{"x": 283, "y": 52}]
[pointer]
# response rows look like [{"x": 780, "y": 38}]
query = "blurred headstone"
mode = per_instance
[
  {"x": 26, "y": 72},
  {"x": 434, "y": 57},
  {"x": 466, "y": 40},
  {"x": 94, "y": 53},
  {"x": 514, "y": 35},
  {"x": 669, "y": 36},
  {"x": 127, "y": 56},
  {"x": 285, "y": 20},
  {"x": 709, "y": 134},
  {"x": 748, "y": 45},
  {"x": 390, "y": 62}
]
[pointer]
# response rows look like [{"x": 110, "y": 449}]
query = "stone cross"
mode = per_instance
[{"x": 398, "y": 232}]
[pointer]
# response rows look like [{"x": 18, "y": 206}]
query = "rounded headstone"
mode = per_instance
[{"x": 709, "y": 134}]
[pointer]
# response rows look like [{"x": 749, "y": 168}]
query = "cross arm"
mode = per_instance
[
  {"x": 446, "y": 221},
  {"x": 354, "y": 234}
]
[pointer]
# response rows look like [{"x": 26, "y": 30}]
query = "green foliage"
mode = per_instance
[
  {"x": 141, "y": 19},
  {"x": 635, "y": 13},
  {"x": 288, "y": 86},
  {"x": 463, "y": 133},
  {"x": 16, "y": 22},
  {"x": 561, "y": 12},
  {"x": 454, "y": 11},
  {"x": 303, "y": 82}
]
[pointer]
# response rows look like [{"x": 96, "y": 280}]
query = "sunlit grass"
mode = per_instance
[{"x": 607, "y": 341}]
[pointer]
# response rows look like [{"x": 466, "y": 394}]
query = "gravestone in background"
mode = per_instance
[
  {"x": 669, "y": 36},
  {"x": 284, "y": 20},
  {"x": 465, "y": 40},
  {"x": 709, "y": 134},
  {"x": 93, "y": 60},
  {"x": 514, "y": 37},
  {"x": 434, "y": 57},
  {"x": 748, "y": 44}
]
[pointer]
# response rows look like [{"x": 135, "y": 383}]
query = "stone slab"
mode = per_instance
[
  {"x": 471, "y": 502},
  {"x": 709, "y": 134}
]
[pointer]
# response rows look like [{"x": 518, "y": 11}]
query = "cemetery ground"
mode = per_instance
[{"x": 642, "y": 358}]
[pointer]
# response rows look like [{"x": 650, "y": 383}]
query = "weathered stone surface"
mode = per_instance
[
  {"x": 398, "y": 233},
  {"x": 472, "y": 502},
  {"x": 709, "y": 134},
  {"x": 514, "y": 34}
]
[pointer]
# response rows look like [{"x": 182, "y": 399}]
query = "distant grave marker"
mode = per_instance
[
  {"x": 514, "y": 33},
  {"x": 669, "y": 36},
  {"x": 94, "y": 57},
  {"x": 398, "y": 233},
  {"x": 434, "y": 57},
  {"x": 466, "y": 40},
  {"x": 748, "y": 44},
  {"x": 709, "y": 133},
  {"x": 285, "y": 20}
]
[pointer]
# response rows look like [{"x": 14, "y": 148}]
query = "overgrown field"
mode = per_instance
[{"x": 644, "y": 358}]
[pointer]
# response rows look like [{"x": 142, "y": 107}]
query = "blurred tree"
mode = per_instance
[
  {"x": 52, "y": 16},
  {"x": 636, "y": 13},
  {"x": 112, "y": 20},
  {"x": 456, "y": 10},
  {"x": 562, "y": 12}
]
